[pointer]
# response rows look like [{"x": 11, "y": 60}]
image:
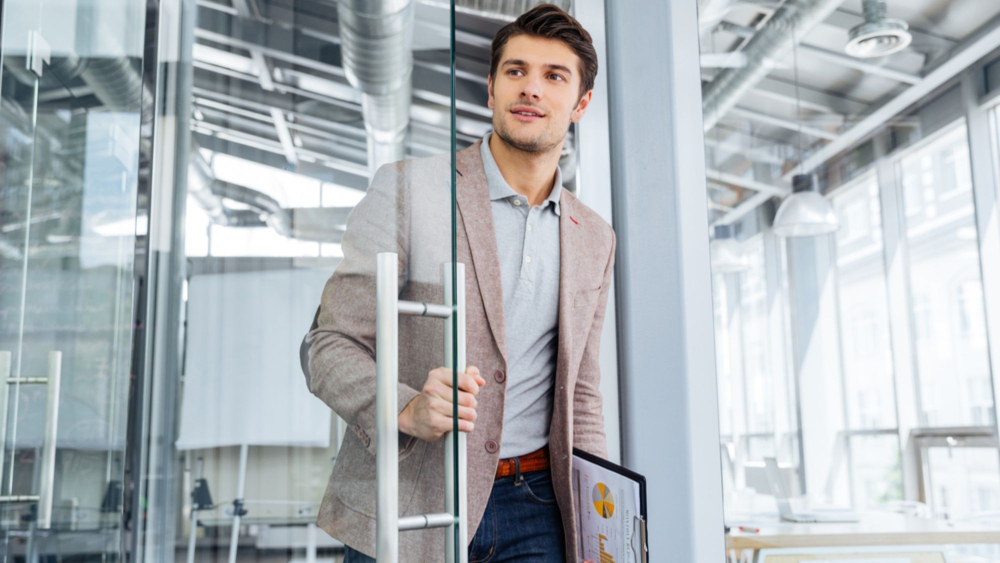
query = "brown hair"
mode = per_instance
[{"x": 550, "y": 22}]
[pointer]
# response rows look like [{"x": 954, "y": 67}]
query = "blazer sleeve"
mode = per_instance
[
  {"x": 341, "y": 342},
  {"x": 588, "y": 417}
]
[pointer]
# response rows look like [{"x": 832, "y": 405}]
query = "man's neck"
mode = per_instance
[{"x": 529, "y": 174}]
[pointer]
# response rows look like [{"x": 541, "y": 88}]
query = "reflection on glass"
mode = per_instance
[
  {"x": 864, "y": 314},
  {"x": 946, "y": 293},
  {"x": 70, "y": 116}
]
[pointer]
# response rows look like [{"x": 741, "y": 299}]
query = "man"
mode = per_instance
[{"x": 538, "y": 269}]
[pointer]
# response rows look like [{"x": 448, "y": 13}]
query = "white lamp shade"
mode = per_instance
[
  {"x": 727, "y": 257},
  {"x": 805, "y": 214}
]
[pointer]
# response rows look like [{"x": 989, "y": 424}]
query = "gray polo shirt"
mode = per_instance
[{"x": 528, "y": 246}]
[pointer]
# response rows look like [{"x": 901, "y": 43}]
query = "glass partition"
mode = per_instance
[{"x": 73, "y": 101}]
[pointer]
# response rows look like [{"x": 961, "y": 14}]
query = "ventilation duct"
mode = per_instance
[
  {"x": 786, "y": 27},
  {"x": 376, "y": 40},
  {"x": 320, "y": 224},
  {"x": 503, "y": 10}
]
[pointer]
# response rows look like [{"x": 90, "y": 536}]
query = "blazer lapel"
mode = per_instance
[
  {"x": 577, "y": 270},
  {"x": 473, "y": 196}
]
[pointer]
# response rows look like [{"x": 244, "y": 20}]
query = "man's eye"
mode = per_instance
[
  {"x": 513, "y": 71},
  {"x": 556, "y": 76}
]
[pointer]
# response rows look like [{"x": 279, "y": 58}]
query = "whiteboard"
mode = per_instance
[{"x": 242, "y": 380}]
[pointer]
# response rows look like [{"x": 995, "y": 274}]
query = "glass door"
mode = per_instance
[
  {"x": 319, "y": 144},
  {"x": 71, "y": 98}
]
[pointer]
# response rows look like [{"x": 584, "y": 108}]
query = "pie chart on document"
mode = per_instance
[{"x": 603, "y": 501}]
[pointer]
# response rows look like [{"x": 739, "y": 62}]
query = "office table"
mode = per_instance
[{"x": 874, "y": 529}]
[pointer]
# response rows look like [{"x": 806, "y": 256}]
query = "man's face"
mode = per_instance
[{"x": 536, "y": 93}]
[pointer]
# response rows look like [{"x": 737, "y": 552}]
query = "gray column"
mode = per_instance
[{"x": 669, "y": 404}]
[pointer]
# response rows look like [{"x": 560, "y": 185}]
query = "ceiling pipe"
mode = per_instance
[
  {"x": 376, "y": 46},
  {"x": 786, "y": 28},
  {"x": 501, "y": 10}
]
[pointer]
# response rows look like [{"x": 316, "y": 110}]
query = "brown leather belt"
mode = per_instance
[{"x": 537, "y": 460}]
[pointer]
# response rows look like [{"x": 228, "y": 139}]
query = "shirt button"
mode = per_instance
[
  {"x": 492, "y": 446},
  {"x": 527, "y": 259},
  {"x": 517, "y": 201},
  {"x": 529, "y": 227},
  {"x": 499, "y": 376}
]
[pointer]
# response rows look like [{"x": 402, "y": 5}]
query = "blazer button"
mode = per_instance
[
  {"x": 492, "y": 446},
  {"x": 499, "y": 376}
]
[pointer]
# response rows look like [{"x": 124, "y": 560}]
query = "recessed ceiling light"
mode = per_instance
[{"x": 879, "y": 35}]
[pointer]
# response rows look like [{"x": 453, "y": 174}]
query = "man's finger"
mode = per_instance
[{"x": 467, "y": 383}]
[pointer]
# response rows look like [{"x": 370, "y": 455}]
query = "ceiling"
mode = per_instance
[{"x": 812, "y": 96}]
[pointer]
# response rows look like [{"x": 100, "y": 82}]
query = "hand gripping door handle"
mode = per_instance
[
  {"x": 48, "y": 455},
  {"x": 388, "y": 308}
]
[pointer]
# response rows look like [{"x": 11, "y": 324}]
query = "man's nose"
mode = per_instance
[{"x": 532, "y": 90}]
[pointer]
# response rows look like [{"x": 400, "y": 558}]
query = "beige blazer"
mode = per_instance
[{"x": 406, "y": 210}]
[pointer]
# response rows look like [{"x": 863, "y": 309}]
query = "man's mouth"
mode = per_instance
[{"x": 525, "y": 113}]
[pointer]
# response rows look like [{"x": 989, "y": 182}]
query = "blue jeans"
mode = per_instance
[{"x": 522, "y": 523}]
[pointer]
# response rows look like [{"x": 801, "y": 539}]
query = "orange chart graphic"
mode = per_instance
[{"x": 603, "y": 501}]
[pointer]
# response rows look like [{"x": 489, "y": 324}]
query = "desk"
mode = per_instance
[{"x": 875, "y": 528}]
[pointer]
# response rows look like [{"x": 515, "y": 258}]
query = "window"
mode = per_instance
[
  {"x": 962, "y": 481},
  {"x": 876, "y": 470},
  {"x": 756, "y": 404},
  {"x": 946, "y": 291},
  {"x": 864, "y": 314}
]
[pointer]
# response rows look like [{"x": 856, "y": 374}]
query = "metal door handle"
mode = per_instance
[
  {"x": 388, "y": 308},
  {"x": 48, "y": 457}
]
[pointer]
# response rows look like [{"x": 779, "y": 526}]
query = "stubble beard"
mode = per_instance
[{"x": 536, "y": 145}]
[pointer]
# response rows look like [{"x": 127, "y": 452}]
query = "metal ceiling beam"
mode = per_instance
[
  {"x": 755, "y": 154},
  {"x": 744, "y": 208},
  {"x": 747, "y": 183},
  {"x": 977, "y": 46},
  {"x": 777, "y": 121},
  {"x": 275, "y": 147},
  {"x": 811, "y": 98},
  {"x": 860, "y": 64},
  {"x": 284, "y": 136}
]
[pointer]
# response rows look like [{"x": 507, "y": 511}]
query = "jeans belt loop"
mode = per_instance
[{"x": 517, "y": 471}]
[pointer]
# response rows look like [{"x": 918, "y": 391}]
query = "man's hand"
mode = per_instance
[{"x": 429, "y": 415}]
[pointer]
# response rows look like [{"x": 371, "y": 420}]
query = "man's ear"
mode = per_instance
[
  {"x": 489, "y": 88},
  {"x": 581, "y": 106}
]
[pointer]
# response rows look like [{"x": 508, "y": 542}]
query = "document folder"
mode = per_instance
[{"x": 610, "y": 511}]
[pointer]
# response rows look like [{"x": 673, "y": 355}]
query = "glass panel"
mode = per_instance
[
  {"x": 863, "y": 308},
  {"x": 301, "y": 114},
  {"x": 949, "y": 324},
  {"x": 963, "y": 482},
  {"x": 70, "y": 118}
]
